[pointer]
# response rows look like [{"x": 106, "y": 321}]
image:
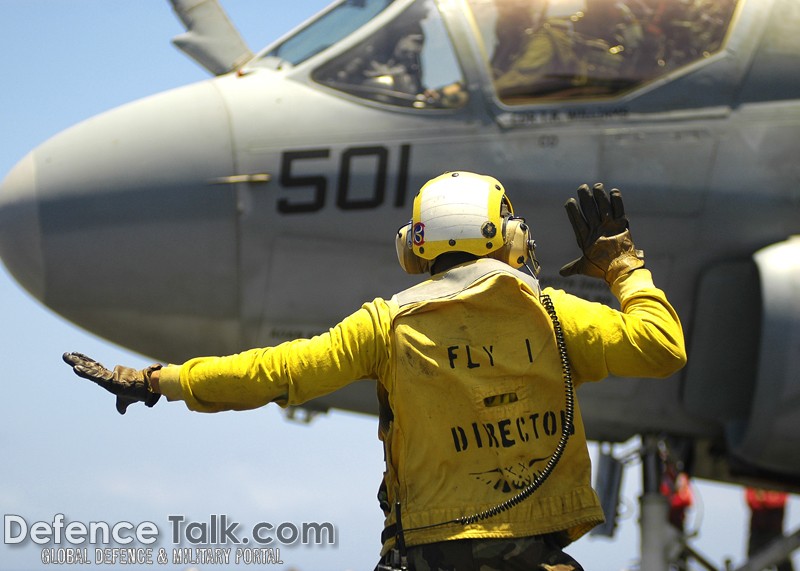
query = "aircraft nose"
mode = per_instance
[
  {"x": 120, "y": 225},
  {"x": 20, "y": 231}
]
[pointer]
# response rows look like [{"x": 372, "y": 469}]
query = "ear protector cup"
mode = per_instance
[
  {"x": 518, "y": 246},
  {"x": 409, "y": 261}
]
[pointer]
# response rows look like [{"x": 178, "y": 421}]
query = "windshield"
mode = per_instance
[
  {"x": 563, "y": 49},
  {"x": 326, "y": 30}
]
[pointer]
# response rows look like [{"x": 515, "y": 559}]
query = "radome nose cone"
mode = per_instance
[{"x": 20, "y": 229}]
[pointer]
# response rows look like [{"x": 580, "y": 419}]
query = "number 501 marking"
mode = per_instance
[{"x": 369, "y": 199}]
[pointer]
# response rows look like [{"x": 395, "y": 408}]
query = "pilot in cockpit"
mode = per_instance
[
  {"x": 542, "y": 52},
  {"x": 546, "y": 48},
  {"x": 388, "y": 66},
  {"x": 395, "y": 55}
]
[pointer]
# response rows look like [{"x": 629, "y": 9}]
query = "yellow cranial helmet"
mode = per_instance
[{"x": 462, "y": 212}]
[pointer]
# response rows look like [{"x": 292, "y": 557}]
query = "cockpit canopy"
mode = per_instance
[
  {"x": 327, "y": 29},
  {"x": 532, "y": 50}
]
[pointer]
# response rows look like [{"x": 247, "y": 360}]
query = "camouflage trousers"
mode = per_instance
[{"x": 539, "y": 553}]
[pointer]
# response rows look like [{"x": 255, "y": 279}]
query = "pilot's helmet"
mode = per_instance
[{"x": 462, "y": 212}]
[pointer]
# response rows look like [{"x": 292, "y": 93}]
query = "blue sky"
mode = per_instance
[{"x": 65, "y": 448}]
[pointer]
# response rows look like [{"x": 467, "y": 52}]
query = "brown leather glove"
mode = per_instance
[
  {"x": 130, "y": 385},
  {"x": 601, "y": 229}
]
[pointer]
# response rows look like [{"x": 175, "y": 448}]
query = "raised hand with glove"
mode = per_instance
[
  {"x": 130, "y": 385},
  {"x": 601, "y": 229}
]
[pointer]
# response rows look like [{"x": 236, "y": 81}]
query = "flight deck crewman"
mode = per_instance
[{"x": 486, "y": 459}]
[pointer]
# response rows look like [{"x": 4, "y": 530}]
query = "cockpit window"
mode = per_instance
[
  {"x": 563, "y": 49},
  {"x": 332, "y": 26},
  {"x": 409, "y": 63}
]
